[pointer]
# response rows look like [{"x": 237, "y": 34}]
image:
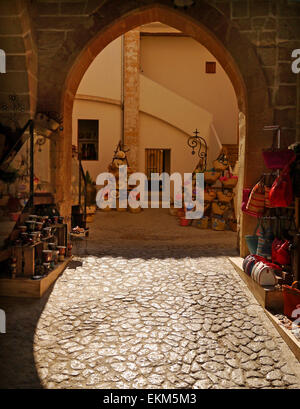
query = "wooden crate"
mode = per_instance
[
  {"x": 268, "y": 297},
  {"x": 25, "y": 287}
]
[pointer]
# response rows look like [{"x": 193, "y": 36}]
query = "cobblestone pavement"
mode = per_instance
[{"x": 151, "y": 314}]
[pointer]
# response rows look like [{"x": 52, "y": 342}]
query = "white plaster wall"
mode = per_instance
[
  {"x": 178, "y": 63},
  {"x": 109, "y": 117},
  {"x": 103, "y": 77},
  {"x": 155, "y": 133}
]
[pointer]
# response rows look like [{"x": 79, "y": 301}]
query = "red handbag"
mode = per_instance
[
  {"x": 291, "y": 299},
  {"x": 281, "y": 192},
  {"x": 278, "y": 158},
  {"x": 281, "y": 252}
]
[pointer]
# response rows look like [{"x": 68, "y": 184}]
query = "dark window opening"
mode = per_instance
[{"x": 88, "y": 138}]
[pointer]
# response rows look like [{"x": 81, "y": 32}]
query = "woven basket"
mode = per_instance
[
  {"x": 218, "y": 224},
  {"x": 211, "y": 176},
  {"x": 219, "y": 165},
  {"x": 137, "y": 210},
  {"x": 225, "y": 197},
  {"x": 219, "y": 208},
  {"x": 209, "y": 196},
  {"x": 106, "y": 209},
  {"x": 229, "y": 183},
  {"x": 203, "y": 223}
]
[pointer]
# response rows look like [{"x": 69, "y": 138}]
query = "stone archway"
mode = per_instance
[{"x": 206, "y": 25}]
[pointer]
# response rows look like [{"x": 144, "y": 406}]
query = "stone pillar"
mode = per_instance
[{"x": 132, "y": 95}]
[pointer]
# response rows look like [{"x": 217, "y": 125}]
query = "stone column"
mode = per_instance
[{"x": 132, "y": 95}]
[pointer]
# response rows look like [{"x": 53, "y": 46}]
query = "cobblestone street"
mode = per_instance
[{"x": 150, "y": 306}]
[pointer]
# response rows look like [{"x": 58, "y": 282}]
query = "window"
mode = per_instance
[
  {"x": 210, "y": 67},
  {"x": 88, "y": 139}
]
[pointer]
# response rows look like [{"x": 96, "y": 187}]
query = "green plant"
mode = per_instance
[{"x": 88, "y": 178}]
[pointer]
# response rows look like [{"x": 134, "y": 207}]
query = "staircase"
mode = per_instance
[{"x": 232, "y": 153}]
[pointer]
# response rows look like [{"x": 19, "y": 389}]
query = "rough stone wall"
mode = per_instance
[
  {"x": 132, "y": 95},
  {"x": 273, "y": 28},
  {"x": 17, "y": 39}
]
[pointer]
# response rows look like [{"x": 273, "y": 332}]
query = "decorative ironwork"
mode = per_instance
[{"x": 197, "y": 143}]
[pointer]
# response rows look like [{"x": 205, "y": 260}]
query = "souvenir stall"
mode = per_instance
[
  {"x": 35, "y": 248},
  {"x": 219, "y": 192},
  {"x": 120, "y": 159},
  {"x": 272, "y": 268}
]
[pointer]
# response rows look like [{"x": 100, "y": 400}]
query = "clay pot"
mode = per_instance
[{"x": 47, "y": 256}]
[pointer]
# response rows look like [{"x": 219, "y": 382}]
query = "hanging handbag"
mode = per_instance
[
  {"x": 252, "y": 240},
  {"x": 281, "y": 193},
  {"x": 277, "y": 158},
  {"x": 256, "y": 202},
  {"x": 211, "y": 176},
  {"x": 219, "y": 208},
  {"x": 229, "y": 180},
  {"x": 245, "y": 199},
  {"x": 225, "y": 197},
  {"x": 221, "y": 163},
  {"x": 209, "y": 195},
  {"x": 291, "y": 299},
  {"x": 264, "y": 243}
]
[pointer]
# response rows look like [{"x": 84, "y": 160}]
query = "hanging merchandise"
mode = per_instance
[
  {"x": 221, "y": 163},
  {"x": 281, "y": 193},
  {"x": 225, "y": 196},
  {"x": 264, "y": 244},
  {"x": 256, "y": 201},
  {"x": 229, "y": 180},
  {"x": 252, "y": 240},
  {"x": 277, "y": 158},
  {"x": 211, "y": 176},
  {"x": 281, "y": 252},
  {"x": 291, "y": 299},
  {"x": 209, "y": 195},
  {"x": 219, "y": 208}
]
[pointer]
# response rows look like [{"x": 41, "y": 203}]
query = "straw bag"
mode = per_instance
[
  {"x": 264, "y": 244},
  {"x": 225, "y": 197},
  {"x": 291, "y": 299},
  {"x": 211, "y": 176},
  {"x": 133, "y": 210},
  {"x": 202, "y": 223},
  {"x": 256, "y": 202},
  {"x": 218, "y": 224},
  {"x": 229, "y": 180},
  {"x": 219, "y": 208},
  {"x": 221, "y": 163},
  {"x": 252, "y": 240},
  {"x": 209, "y": 195}
]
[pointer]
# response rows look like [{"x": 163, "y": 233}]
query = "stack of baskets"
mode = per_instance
[{"x": 218, "y": 209}]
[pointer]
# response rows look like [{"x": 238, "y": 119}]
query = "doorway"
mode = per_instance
[{"x": 157, "y": 161}]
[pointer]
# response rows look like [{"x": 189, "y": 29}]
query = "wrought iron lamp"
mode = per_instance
[{"x": 197, "y": 143}]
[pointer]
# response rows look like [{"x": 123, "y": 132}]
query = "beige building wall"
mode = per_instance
[
  {"x": 103, "y": 77},
  {"x": 178, "y": 63},
  {"x": 109, "y": 117}
]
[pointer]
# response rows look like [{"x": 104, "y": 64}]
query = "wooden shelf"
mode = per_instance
[
  {"x": 270, "y": 298},
  {"x": 26, "y": 287}
]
